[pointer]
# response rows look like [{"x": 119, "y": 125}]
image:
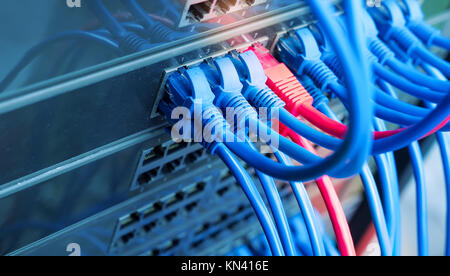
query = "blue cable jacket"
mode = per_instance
[
  {"x": 441, "y": 41},
  {"x": 358, "y": 141},
  {"x": 444, "y": 147},
  {"x": 408, "y": 87},
  {"x": 111, "y": 23},
  {"x": 373, "y": 198},
  {"x": 278, "y": 212},
  {"x": 306, "y": 209},
  {"x": 432, "y": 59},
  {"x": 31, "y": 54},
  {"x": 381, "y": 111},
  {"x": 376, "y": 210},
  {"x": 254, "y": 197},
  {"x": 421, "y": 198},
  {"x": 389, "y": 182},
  {"x": 416, "y": 77}
]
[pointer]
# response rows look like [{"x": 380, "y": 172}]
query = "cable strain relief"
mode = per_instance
[
  {"x": 425, "y": 32},
  {"x": 214, "y": 127},
  {"x": 265, "y": 97},
  {"x": 321, "y": 74},
  {"x": 318, "y": 96},
  {"x": 380, "y": 50},
  {"x": 241, "y": 109},
  {"x": 163, "y": 33},
  {"x": 406, "y": 40},
  {"x": 334, "y": 64},
  {"x": 132, "y": 43}
]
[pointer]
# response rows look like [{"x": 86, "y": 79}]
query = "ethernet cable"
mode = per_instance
[
  {"x": 421, "y": 194},
  {"x": 300, "y": 99},
  {"x": 443, "y": 140},
  {"x": 392, "y": 26},
  {"x": 309, "y": 62},
  {"x": 421, "y": 198},
  {"x": 155, "y": 30},
  {"x": 187, "y": 91},
  {"x": 254, "y": 197},
  {"x": 391, "y": 194},
  {"x": 128, "y": 41},
  {"x": 278, "y": 212},
  {"x": 35, "y": 51},
  {"x": 333, "y": 204},
  {"x": 226, "y": 87},
  {"x": 389, "y": 57},
  {"x": 374, "y": 200},
  {"x": 415, "y": 22},
  {"x": 307, "y": 210}
]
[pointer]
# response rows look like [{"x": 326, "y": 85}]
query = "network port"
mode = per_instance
[{"x": 203, "y": 10}]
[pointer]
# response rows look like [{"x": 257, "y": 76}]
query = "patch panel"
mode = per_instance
[{"x": 165, "y": 159}]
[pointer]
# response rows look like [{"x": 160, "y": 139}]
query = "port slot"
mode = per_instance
[
  {"x": 152, "y": 210},
  {"x": 194, "y": 156},
  {"x": 146, "y": 177},
  {"x": 129, "y": 220},
  {"x": 149, "y": 226},
  {"x": 195, "y": 189},
  {"x": 174, "y": 199},
  {"x": 199, "y": 11},
  {"x": 171, "y": 216},
  {"x": 154, "y": 154},
  {"x": 227, "y": 5},
  {"x": 190, "y": 207},
  {"x": 202, "y": 229},
  {"x": 127, "y": 237},
  {"x": 221, "y": 192},
  {"x": 175, "y": 147},
  {"x": 172, "y": 166}
]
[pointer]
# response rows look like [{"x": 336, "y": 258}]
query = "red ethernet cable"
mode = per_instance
[
  {"x": 293, "y": 92},
  {"x": 336, "y": 212},
  {"x": 298, "y": 101}
]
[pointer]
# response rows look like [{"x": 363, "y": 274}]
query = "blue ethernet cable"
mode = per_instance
[
  {"x": 370, "y": 187},
  {"x": 278, "y": 212},
  {"x": 358, "y": 141},
  {"x": 421, "y": 194},
  {"x": 392, "y": 25},
  {"x": 387, "y": 57},
  {"x": 309, "y": 62},
  {"x": 226, "y": 86},
  {"x": 387, "y": 161},
  {"x": 155, "y": 30},
  {"x": 406, "y": 86},
  {"x": 307, "y": 210},
  {"x": 254, "y": 197},
  {"x": 192, "y": 89},
  {"x": 389, "y": 202},
  {"x": 128, "y": 41},
  {"x": 376, "y": 210},
  {"x": 258, "y": 94},
  {"x": 428, "y": 34},
  {"x": 421, "y": 198},
  {"x": 34, "y": 52},
  {"x": 444, "y": 147},
  {"x": 418, "y": 78},
  {"x": 381, "y": 111}
]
